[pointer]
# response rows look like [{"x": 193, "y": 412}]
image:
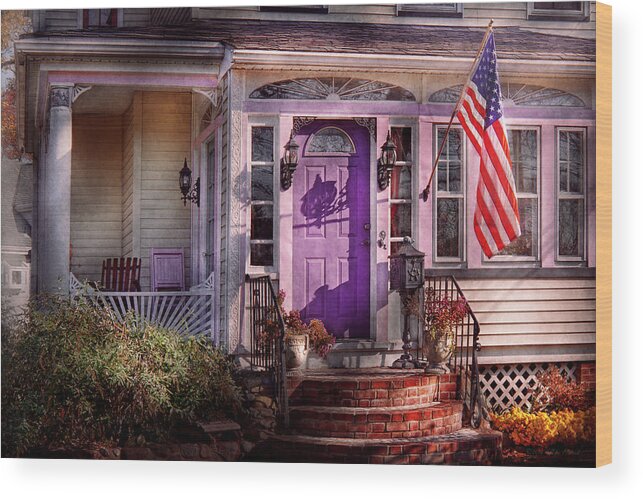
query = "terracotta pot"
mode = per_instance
[
  {"x": 296, "y": 350},
  {"x": 438, "y": 352}
]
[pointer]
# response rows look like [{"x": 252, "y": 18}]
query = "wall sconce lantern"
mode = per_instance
[
  {"x": 386, "y": 163},
  {"x": 189, "y": 192},
  {"x": 289, "y": 162}
]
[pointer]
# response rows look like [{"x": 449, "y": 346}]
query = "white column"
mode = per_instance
[{"x": 56, "y": 195}]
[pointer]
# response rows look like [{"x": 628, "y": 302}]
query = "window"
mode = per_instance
[
  {"x": 524, "y": 148},
  {"x": 262, "y": 201},
  {"x": 210, "y": 219},
  {"x": 401, "y": 191},
  {"x": 93, "y": 18},
  {"x": 430, "y": 9},
  {"x": 558, "y": 11},
  {"x": 310, "y": 9},
  {"x": 571, "y": 193},
  {"x": 449, "y": 200}
]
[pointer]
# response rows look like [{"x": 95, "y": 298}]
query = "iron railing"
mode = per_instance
[
  {"x": 464, "y": 360},
  {"x": 267, "y": 338}
]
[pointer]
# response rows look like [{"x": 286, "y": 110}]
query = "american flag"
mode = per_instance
[{"x": 496, "y": 220}]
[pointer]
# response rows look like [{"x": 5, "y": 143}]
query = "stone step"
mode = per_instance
[
  {"x": 420, "y": 420},
  {"x": 374, "y": 388},
  {"x": 465, "y": 446}
]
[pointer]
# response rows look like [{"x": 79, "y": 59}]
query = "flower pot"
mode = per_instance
[
  {"x": 437, "y": 349},
  {"x": 296, "y": 350}
]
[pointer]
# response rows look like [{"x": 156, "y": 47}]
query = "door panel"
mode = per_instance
[{"x": 331, "y": 274}]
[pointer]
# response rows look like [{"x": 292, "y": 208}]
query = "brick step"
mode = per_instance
[
  {"x": 421, "y": 420},
  {"x": 382, "y": 388},
  {"x": 466, "y": 446}
]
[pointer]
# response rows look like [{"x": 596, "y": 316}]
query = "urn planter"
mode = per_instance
[
  {"x": 296, "y": 350},
  {"x": 437, "y": 349}
]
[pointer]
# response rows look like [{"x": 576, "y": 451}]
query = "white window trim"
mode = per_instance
[
  {"x": 463, "y": 195},
  {"x": 414, "y": 163},
  {"x": 534, "y": 12},
  {"x": 569, "y": 195},
  {"x": 538, "y": 196},
  {"x": 429, "y": 10},
  {"x": 9, "y": 270},
  {"x": 119, "y": 18},
  {"x": 271, "y": 121}
]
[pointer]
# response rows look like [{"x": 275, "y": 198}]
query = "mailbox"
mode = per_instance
[{"x": 407, "y": 268}]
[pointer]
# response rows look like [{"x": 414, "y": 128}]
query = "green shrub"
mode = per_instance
[{"x": 71, "y": 376}]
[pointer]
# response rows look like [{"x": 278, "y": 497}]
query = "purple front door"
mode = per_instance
[{"x": 331, "y": 227}]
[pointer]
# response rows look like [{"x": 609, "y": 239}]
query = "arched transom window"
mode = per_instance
[{"x": 330, "y": 140}]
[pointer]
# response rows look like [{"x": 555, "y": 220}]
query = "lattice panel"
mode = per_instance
[{"x": 509, "y": 385}]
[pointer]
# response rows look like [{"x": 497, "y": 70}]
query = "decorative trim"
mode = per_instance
[
  {"x": 75, "y": 286},
  {"x": 60, "y": 97},
  {"x": 298, "y": 122},
  {"x": 212, "y": 94},
  {"x": 78, "y": 90},
  {"x": 369, "y": 123},
  {"x": 207, "y": 284},
  {"x": 237, "y": 189},
  {"x": 518, "y": 95},
  {"x": 333, "y": 89}
]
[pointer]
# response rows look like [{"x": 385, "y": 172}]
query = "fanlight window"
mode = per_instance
[
  {"x": 330, "y": 140},
  {"x": 518, "y": 95},
  {"x": 332, "y": 89}
]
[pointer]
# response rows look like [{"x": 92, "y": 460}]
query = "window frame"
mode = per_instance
[
  {"x": 259, "y": 122},
  {"x": 536, "y": 13},
  {"x": 118, "y": 22},
  {"x": 437, "y": 194},
  {"x": 429, "y": 10},
  {"x": 570, "y": 195},
  {"x": 414, "y": 165},
  {"x": 499, "y": 259}
]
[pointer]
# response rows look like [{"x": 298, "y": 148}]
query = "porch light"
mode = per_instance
[
  {"x": 188, "y": 192},
  {"x": 289, "y": 162},
  {"x": 386, "y": 163}
]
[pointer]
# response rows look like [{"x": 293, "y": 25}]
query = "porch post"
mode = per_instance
[{"x": 56, "y": 185}]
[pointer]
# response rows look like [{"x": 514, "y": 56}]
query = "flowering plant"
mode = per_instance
[
  {"x": 441, "y": 315},
  {"x": 553, "y": 392},
  {"x": 321, "y": 341}
]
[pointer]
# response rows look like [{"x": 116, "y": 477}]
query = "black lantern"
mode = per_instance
[
  {"x": 289, "y": 162},
  {"x": 188, "y": 192},
  {"x": 386, "y": 163},
  {"x": 407, "y": 277}
]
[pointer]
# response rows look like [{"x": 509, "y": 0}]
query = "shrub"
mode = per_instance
[
  {"x": 541, "y": 429},
  {"x": 71, "y": 376},
  {"x": 553, "y": 392}
]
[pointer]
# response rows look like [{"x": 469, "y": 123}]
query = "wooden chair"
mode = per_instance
[
  {"x": 121, "y": 274},
  {"x": 167, "y": 269}
]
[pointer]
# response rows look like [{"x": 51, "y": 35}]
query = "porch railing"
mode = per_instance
[
  {"x": 464, "y": 360},
  {"x": 188, "y": 312},
  {"x": 267, "y": 338}
]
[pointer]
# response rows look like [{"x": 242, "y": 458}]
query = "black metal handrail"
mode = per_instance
[
  {"x": 267, "y": 338},
  {"x": 464, "y": 360}
]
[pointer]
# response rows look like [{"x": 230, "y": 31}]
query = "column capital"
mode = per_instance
[{"x": 60, "y": 96}]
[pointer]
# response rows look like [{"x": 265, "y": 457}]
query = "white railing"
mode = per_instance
[{"x": 188, "y": 312}]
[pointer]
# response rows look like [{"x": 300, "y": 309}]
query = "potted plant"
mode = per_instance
[
  {"x": 441, "y": 316},
  {"x": 300, "y": 336}
]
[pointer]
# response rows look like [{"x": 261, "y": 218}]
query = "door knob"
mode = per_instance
[{"x": 367, "y": 226}]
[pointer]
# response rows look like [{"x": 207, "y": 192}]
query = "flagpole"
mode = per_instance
[{"x": 425, "y": 192}]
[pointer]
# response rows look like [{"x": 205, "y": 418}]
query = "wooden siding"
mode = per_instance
[
  {"x": 474, "y": 14},
  {"x": 165, "y": 142},
  {"x": 96, "y": 208},
  {"x": 136, "y": 17},
  {"x": 534, "y": 320}
]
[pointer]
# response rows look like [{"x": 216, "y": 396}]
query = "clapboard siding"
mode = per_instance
[
  {"x": 473, "y": 14},
  {"x": 136, "y": 17},
  {"x": 165, "y": 142},
  {"x": 96, "y": 208},
  {"x": 535, "y": 320},
  {"x": 61, "y": 19}
]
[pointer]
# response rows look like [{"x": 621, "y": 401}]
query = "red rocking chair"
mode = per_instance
[{"x": 121, "y": 274}]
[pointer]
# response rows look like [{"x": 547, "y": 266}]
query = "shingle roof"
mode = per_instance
[{"x": 511, "y": 42}]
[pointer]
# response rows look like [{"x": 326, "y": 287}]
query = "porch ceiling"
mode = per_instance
[{"x": 110, "y": 100}]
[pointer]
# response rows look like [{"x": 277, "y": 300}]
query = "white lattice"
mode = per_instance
[{"x": 509, "y": 385}]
